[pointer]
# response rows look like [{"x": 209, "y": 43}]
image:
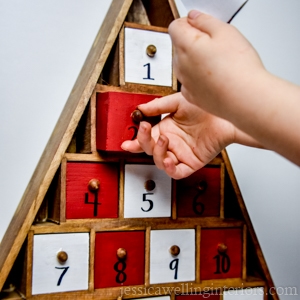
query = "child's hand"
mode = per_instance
[
  {"x": 184, "y": 141},
  {"x": 214, "y": 62}
]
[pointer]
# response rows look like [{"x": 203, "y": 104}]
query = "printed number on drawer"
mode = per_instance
[{"x": 147, "y": 192}]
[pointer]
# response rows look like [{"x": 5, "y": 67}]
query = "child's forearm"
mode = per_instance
[{"x": 269, "y": 111}]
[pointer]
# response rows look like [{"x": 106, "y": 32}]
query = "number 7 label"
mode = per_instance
[{"x": 50, "y": 272}]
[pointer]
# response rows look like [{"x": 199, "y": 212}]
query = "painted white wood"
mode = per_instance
[
  {"x": 160, "y": 257},
  {"x": 136, "y": 59},
  {"x": 244, "y": 294},
  {"x": 45, "y": 272},
  {"x": 134, "y": 189}
]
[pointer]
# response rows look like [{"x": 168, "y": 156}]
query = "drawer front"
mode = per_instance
[
  {"x": 92, "y": 190},
  {"x": 142, "y": 68},
  {"x": 114, "y": 121},
  {"x": 119, "y": 258},
  {"x": 60, "y": 263},
  {"x": 147, "y": 192},
  {"x": 221, "y": 253},
  {"x": 172, "y": 255},
  {"x": 199, "y": 194}
]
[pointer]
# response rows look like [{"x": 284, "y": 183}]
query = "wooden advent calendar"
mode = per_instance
[{"x": 98, "y": 223}]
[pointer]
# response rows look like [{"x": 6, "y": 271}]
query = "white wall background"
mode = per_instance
[{"x": 43, "y": 45}]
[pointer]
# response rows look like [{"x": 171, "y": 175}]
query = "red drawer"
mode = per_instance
[
  {"x": 221, "y": 253},
  {"x": 128, "y": 268},
  {"x": 199, "y": 194},
  {"x": 83, "y": 198},
  {"x": 114, "y": 123}
]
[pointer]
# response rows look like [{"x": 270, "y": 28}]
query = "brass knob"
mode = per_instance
[
  {"x": 121, "y": 253},
  {"x": 137, "y": 116},
  {"x": 151, "y": 50},
  {"x": 222, "y": 248},
  {"x": 175, "y": 250},
  {"x": 149, "y": 185},
  {"x": 62, "y": 256},
  {"x": 94, "y": 185},
  {"x": 201, "y": 186}
]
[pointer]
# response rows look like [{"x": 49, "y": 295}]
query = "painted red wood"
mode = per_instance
[
  {"x": 214, "y": 265},
  {"x": 192, "y": 296},
  {"x": 199, "y": 194},
  {"x": 106, "y": 260},
  {"x": 79, "y": 175},
  {"x": 113, "y": 118}
]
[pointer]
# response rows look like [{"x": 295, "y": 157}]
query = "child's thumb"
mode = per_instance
[{"x": 204, "y": 22}]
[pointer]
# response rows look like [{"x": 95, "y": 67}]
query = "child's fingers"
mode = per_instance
[
  {"x": 204, "y": 22},
  {"x": 145, "y": 139},
  {"x": 160, "y": 151},
  {"x": 132, "y": 146},
  {"x": 158, "y": 106},
  {"x": 177, "y": 171}
]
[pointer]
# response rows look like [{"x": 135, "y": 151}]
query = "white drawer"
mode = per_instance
[
  {"x": 141, "y": 200},
  {"x": 168, "y": 267},
  {"x": 139, "y": 67},
  {"x": 69, "y": 273}
]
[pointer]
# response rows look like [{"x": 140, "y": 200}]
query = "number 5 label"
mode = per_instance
[{"x": 147, "y": 192}]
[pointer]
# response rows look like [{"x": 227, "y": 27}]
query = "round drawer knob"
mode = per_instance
[
  {"x": 121, "y": 253},
  {"x": 94, "y": 185},
  {"x": 175, "y": 250},
  {"x": 137, "y": 116},
  {"x": 62, "y": 256},
  {"x": 149, "y": 185},
  {"x": 222, "y": 248},
  {"x": 151, "y": 50},
  {"x": 202, "y": 186}
]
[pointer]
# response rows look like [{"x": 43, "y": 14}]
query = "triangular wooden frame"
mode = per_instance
[{"x": 61, "y": 138}]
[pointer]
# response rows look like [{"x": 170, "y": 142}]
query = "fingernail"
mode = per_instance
[
  {"x": 140, "y": 105},
  {"x": 160, "y": 141},
  {"x": 123, "y": 147},
  {"x": 193, "y": 14},
  {"x": 166, "y": 163},
  {"x": 142, "y": 127}
]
